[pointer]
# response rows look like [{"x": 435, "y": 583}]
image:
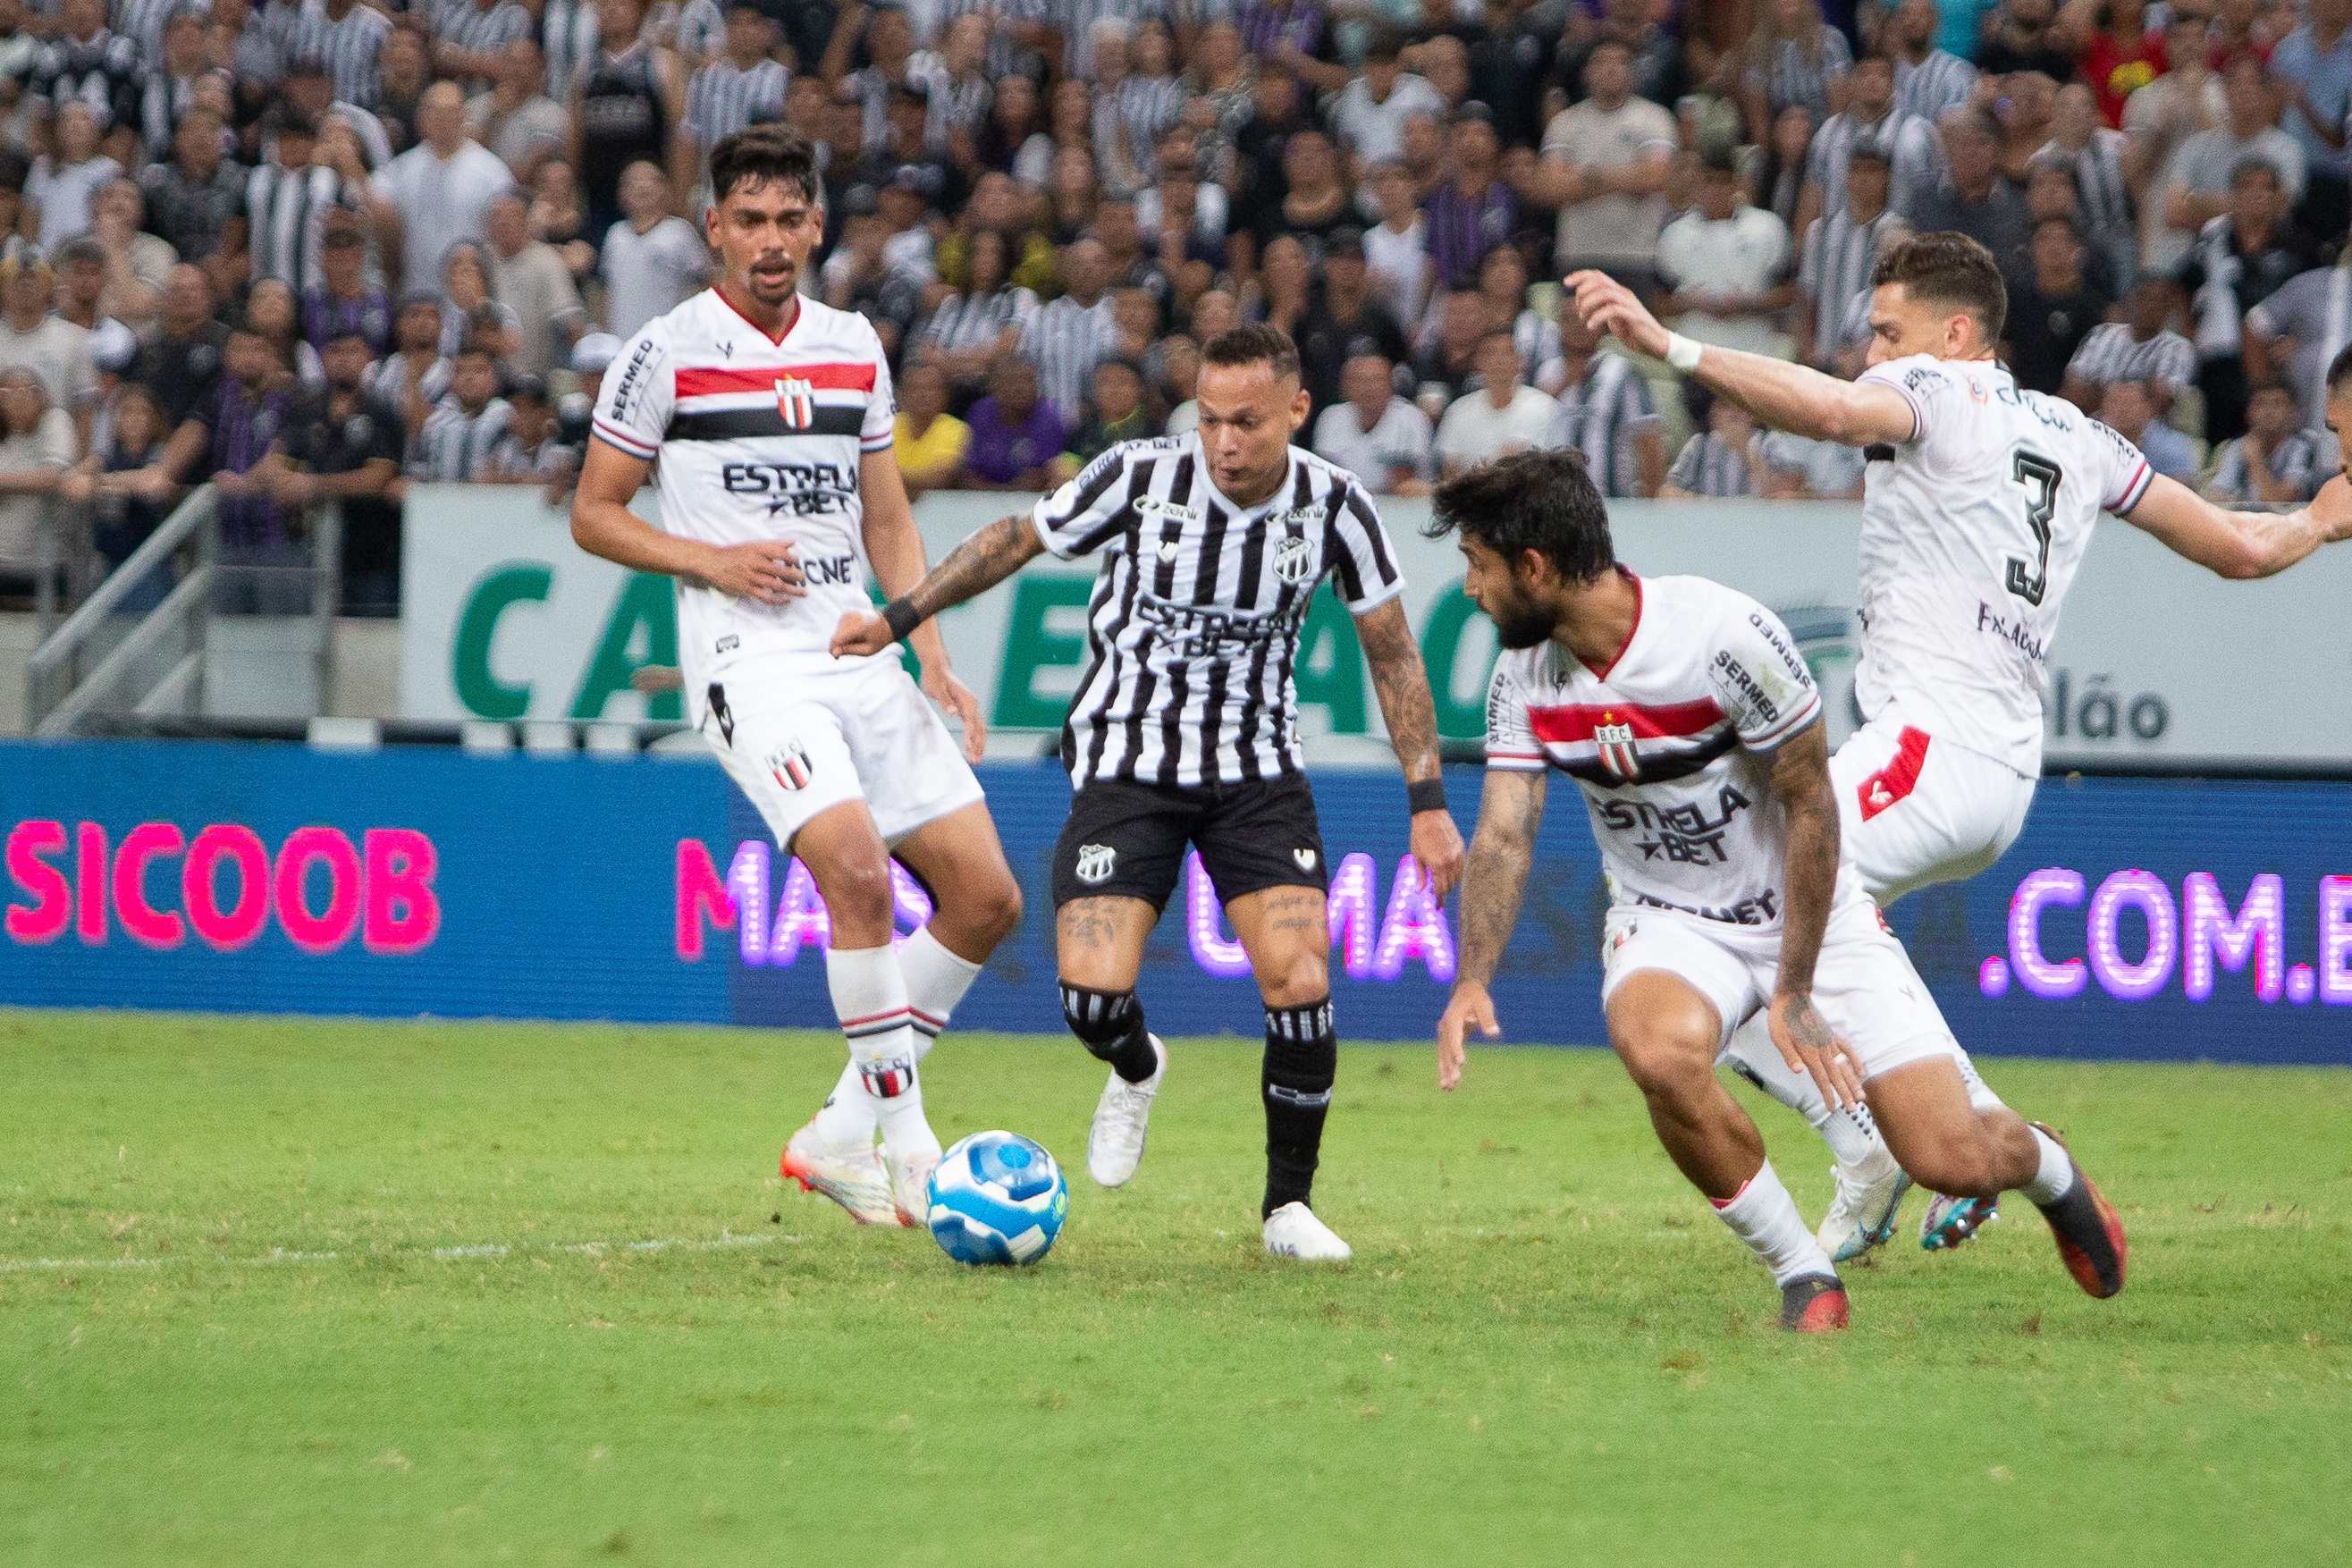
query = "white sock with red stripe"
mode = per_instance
[
  {"x": 936, "y": 981},
  {"x": 869, "y": 997},
  {"x": 1765, "y": 1217}
]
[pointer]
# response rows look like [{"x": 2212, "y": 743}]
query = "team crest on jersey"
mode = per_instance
[
  {"x": 1096, "y": 862},
  {"x": 1292, "y": 560},
  {"x": 1616, "y": 743},
  {"x": 796, "y": 401},
  {"x": 790, "y": 765}
]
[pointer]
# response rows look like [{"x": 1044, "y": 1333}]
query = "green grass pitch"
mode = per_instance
[{"x": 1544, "y": 1351}]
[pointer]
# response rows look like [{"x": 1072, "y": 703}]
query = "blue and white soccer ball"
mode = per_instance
[{"x": 996, "y": 1197}]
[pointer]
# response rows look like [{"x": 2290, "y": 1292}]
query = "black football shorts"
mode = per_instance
[{"x": 1129, "y": 840}]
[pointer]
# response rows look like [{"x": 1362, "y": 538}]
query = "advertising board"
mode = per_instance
[
  {"x": 2157, "y": 661},
  {"x": 2135, "y": 918}
]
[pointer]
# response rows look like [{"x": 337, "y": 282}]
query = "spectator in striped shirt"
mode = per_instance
[
  {"x": 468, "y": 35},
  {"x": 1606, "y": 413},
  {"x": 1914, "y": 161},
  {"x": 1839, "y": 252},
  {"x": 1076, "y": 333},
  {"x": 1724, "y": 459},
  {"x": 1929, "y": 82},
  {"x": 743, "y": 86},
  {"x": 1793, "y": 57},
  {"x": 349, "y": 37},
  {"x": 470, "y": 435},
  {"x": 2096, "y": 155},
  {"x": 2138, "y": 348},
  {"x": 172, "y": 83},
  {"x": 2276, "y": 462}
]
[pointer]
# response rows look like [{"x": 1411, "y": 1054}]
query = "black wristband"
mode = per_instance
[
  {"x": 1427, "y": 794},
  {"x": 901, "y": 618}
]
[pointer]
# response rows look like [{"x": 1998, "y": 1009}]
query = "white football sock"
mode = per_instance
[
  {"x": 936, "y": 981},
  {"x": 869, "y": 997},
  {"x": 2057, "y": 1177},
  {"x": 847, "y": 1122},
  {"x": 1850, "y": 1133},
  {"x": 1765, "y": 1217}
]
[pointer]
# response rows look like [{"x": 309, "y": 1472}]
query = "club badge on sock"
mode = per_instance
[{"x": 890, "y": 1078}]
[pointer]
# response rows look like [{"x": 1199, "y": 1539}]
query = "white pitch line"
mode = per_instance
[{"x": 724, "y": 1241}]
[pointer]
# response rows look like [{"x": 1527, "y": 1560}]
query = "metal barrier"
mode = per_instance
[{"x": 56, "y": 695}]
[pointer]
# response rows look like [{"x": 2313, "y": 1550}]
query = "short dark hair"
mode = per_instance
[
  {"x": 1536, "y": 499},
  {"x": 2256, "y": 163},
  {"x": 768, "y": 150},
  {"x": 1254, "y": 343},
  {"x": 1948, "y": 270}
]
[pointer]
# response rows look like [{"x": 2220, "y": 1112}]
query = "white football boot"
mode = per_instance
[
  {"x": 855, "y": 1179},
  {"x": 1862, "y": 1213},
  {"x": 910, "y": 1184},
  {"x": 1122, "y": 1118},
  {"x": 1293, "y": 1231}
]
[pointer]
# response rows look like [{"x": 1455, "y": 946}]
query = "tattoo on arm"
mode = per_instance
[
  {"x": 978, "y": 564},
  {"x": 1496, "y": 878},
  {"x": 1402, "y": 683},
  {"x": 1800, "y": 778}
]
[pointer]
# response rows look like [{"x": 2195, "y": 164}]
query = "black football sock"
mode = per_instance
[
  {"x": 1302, "y": 1058},
  {"x": 1110, "y": 1025}
]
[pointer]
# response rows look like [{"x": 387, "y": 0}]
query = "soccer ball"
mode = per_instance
[{"x": 996, "y": 1197}]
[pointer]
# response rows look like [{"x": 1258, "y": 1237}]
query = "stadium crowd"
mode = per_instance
[{"x": 314, "y": 248}]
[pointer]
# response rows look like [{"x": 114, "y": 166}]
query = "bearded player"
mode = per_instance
[
  {"x": 1185, "y": 732},
  {"x": 771, "y": 416},
  {"x": 1691, "y": 726},
  {"x": 1977, "y": 506}
]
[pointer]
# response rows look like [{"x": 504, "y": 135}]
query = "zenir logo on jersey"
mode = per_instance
[
  {"x": 1292, "y": 560},
  {"x": 796, "y": 401},
  {"x": 789, "y": 763},
  {"x": 1616, "y": 743}
]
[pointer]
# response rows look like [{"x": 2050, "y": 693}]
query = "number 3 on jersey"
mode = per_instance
[{"x": 2039, "y": 477}]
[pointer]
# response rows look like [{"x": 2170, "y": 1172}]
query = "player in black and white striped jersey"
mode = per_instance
[{"x": 1185, "y": 732}]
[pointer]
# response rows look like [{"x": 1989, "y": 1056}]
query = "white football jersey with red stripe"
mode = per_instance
[
  {"x": 1971, "y": 534},
  {"x": 757, "y": 439},
  {"x": 1672, "y": 745}
]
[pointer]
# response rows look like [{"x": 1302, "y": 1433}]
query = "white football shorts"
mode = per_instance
[
  {"x": 800, "y": 740},
  {"x": 1914, "y": 811},
  {"x": 1864, "y": 982}
]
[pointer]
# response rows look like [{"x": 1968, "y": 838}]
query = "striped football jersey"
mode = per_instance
[
  {"x": 1670, "y": 742},
  {"x": 758, "y": 439},
  {"x": 1194, "y": 628}
]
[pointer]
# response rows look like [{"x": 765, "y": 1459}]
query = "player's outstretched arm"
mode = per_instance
[
  {"x": 971, "y": 568},
  {"x": 1401, "y": 680},
  {"x": 2242, "y": 544},
  {"x": 895, "y": 545},
  {"x": 1785, "y": 396},
  {"x": 1501, "y": 850},
  {"x": 1801, "y": 780},
  {"x": 602, "y": 525}
]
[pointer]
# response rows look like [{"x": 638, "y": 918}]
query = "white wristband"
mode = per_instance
[{"x": 1682, "y": 352}]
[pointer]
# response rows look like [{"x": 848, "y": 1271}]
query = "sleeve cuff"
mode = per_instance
[
  {"x": 1790, "y": 724},
  {"x": 616, "y": 436},
  {"x": 1378, "y": 597},
  {"x": 1516, "y": 761},
  {"x": 2136, "y": 489}
]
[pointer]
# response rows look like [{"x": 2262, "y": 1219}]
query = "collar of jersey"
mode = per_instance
[
  {"x": 800, "y": 313},
  {"x": 1289, "y": 485}
]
